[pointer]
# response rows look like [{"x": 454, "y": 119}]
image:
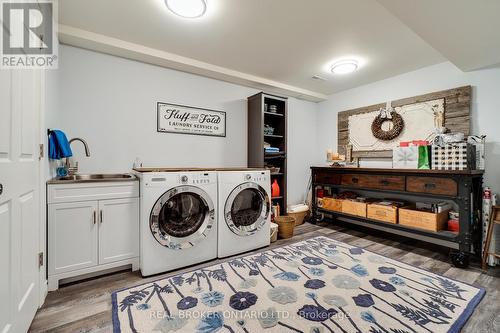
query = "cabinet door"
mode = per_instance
[
  {"x": 72, "y": 235},
  {"x": 118, "y": 229}
]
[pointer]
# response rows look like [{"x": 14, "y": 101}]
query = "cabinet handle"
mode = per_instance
[
  {"x": 94, "y": 217},
  {"x": 430, "y": 186},
  {"x": 100, "y": 216},
  {"x": 355, "y": 180}
]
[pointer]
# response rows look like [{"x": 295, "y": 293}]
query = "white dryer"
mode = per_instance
[
  {"x": 178, "y": 220},
  {"x": 244, "y": 211}
]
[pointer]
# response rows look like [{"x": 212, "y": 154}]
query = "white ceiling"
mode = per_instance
[
  {"x": 261, "y": 43},
  {"x": 467, "y": 32}
]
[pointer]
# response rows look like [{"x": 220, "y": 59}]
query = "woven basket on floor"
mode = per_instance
[
  {"x": 274, "y": 232},
  {"x": 286, "y": 224},
  {"x": 299, "y": 217}
]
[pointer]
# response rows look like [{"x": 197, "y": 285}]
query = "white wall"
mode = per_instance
[
  {"x": 111, "y": 103},
  {"x": 485, "y": 111},
  {"x": 302, "y": 146}
]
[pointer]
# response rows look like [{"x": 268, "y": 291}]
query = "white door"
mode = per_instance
[
  {"x": 118, "y": 230},
  {"x": 19, "y": 200},
  {"x": 72, "y": 236}
]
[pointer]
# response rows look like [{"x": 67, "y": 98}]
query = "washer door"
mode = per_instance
[
  {"x": 182, "y": 217},
  {"x": 247, "y": 209}
]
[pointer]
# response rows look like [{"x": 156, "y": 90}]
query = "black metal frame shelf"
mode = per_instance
[
  {"x": 366, "y": 189},
  {"x": 444, "y": 235},
  {"x": 468, "y": 200}
]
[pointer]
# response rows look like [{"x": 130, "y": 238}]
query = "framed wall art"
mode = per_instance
[
  {"x": 419, "y": 120},
  {"x": 419, "y": 114},
  {"x": 182, "y": 119}
]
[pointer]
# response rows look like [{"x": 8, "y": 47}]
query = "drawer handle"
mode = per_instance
[
  {"x": 355, "y": 180},
  {"x": 94, "y": 217},
  {"x": 430, "y": 186},
  {"x": 385, "y": 182}
]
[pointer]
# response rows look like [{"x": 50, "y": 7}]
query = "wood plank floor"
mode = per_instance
[{"x": 86, "y": 306}]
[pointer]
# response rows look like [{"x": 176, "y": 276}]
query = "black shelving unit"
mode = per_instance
[{"x": 257, "y": 158}]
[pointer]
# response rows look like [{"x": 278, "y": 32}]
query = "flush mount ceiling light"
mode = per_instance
[
  {"x": 187, "y": 8},
  {"x": 344, "y": 67}
]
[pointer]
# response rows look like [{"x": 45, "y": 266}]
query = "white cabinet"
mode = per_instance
[
  {"x": 72, "y": 236},
  {"x": 90, "y": 231},
  {"x": 118, "y": 230}
]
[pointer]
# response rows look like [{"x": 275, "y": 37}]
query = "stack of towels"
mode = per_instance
[{"x": 271, "y": 150}]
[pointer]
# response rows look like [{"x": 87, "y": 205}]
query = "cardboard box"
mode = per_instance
[
  {"x": 354, "y": 208},
  {"x": 332, "y": 204},
  {"x": 384, "y": 213},
  {"x": 423, "y": 220}
]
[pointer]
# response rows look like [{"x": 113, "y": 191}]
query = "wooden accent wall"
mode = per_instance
[{"x": 456, "y": 116}]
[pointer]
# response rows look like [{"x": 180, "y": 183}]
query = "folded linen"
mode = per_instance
[{"x": 271, "y": 150}]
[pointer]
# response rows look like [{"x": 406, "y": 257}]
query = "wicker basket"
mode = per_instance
[
  {"x": 286, "y": 224},
  {"x": 299, "y": 217},
  {"x": 299, "y": 212},
  {"x": 274, "y": 232}
]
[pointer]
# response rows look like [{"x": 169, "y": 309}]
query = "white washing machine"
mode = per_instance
[
  {"x": 178, "y": 220},
  {"x": 244, "y": 211}
]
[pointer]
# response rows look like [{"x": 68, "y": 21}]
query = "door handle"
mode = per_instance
[
  {"x": 100, "y": 216},
  {"x": 94, "y": 217},
  {"x": 1, "y": 189}
]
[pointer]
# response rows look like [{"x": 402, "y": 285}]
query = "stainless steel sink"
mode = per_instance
[{"x": 83, "y": 178}]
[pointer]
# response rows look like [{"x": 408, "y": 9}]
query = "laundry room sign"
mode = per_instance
[{"x": 181, "y": 119}]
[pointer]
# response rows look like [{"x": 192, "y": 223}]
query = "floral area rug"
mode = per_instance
[{"x": 317, "y": 285}]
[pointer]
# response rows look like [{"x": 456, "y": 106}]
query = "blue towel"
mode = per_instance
[
  {"x": 271, "y": 150},
  {"x": 58, "y": 145}
]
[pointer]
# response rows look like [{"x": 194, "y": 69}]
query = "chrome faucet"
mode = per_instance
[{"x": 74, "y": 169}]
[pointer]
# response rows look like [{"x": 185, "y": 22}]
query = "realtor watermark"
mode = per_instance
[
  {"x": 250, "y": 314},
  {"x": 29, "y": 38}
]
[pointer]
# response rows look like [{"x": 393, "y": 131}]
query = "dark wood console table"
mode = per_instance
[{"x": 464, "y": 188}]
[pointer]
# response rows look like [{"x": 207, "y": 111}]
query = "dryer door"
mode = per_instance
[
  {"x": 247, "y": 209},
  {"x": 182, "y": 217}
]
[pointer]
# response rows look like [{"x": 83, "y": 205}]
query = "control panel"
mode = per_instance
[
  {"x": 256, "y": 177},
  {"x": 196, "y": 179}
]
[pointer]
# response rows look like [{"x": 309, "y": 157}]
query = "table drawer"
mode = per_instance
[
  {"x": 327, "y": 178},
  {"x": 432, "y": 185},
  {"x": 381, "y": 182}
]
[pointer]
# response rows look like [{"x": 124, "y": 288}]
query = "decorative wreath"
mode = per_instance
[{"x": 397, "y": 122}]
